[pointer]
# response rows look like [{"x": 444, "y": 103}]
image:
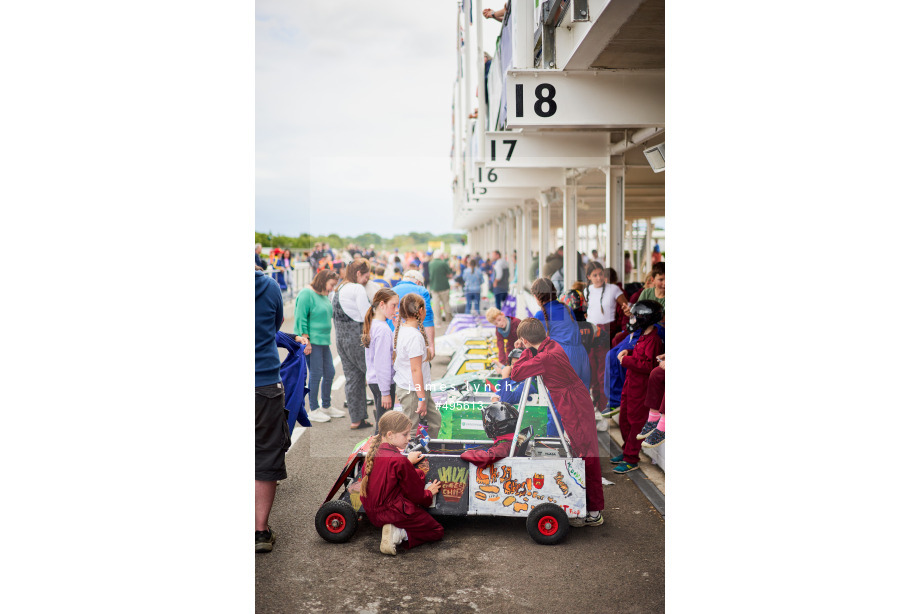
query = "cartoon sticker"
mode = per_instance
[{"x": 453, "y": 482}]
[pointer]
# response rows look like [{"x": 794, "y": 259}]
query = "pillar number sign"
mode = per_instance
[
  {"x": 492, "y": 178},
  {"x": 513, "y": 149},
  {"x": 595, "y": 99}
]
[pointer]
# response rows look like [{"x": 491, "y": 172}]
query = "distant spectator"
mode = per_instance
[
  {"x": 472, "y": 287},
  {"x": 627, "y": 266},
  {"x": 439, "y": 287},
  {"x": 656, "y": 253},
  {"x": 259, "y": 262},
  {"x": 656, "y": 291},
  {"x": 649, "y": 283},
  {"x": 502, "y": 276},
  {"x": 379, "y": 273},
  {"x": 596, "y": 258}
]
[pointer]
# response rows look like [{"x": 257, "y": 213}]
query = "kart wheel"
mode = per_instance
[
  {"x": 336, "y": 521},
  {"x": 547, "y": 524}
]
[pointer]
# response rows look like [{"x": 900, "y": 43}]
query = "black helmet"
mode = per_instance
[
  {"x": 644, "y": 314},
  {"x": 515, "y": 354},
  {"x": 588, "y": 332},
  {"x": 499, "y": 419}
]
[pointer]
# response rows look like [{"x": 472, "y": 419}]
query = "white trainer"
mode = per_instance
[
  {"x": 598, "y": 415},
  {"x": 318, "y": 416},
  {"x": 602, "y": 425},
  {"x": 333, "y": 412},
  {"x": 390, "y": 537}
]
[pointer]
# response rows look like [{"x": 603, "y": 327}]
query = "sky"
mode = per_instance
[{"x": 353, "y": 116}]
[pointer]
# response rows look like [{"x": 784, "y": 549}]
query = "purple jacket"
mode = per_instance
[{"x": 378, "y": 358}]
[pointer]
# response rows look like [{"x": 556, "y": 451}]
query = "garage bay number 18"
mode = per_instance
[{"x": 544, "y": 105}]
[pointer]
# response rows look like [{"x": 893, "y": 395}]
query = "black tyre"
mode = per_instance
[
  {"x": 336, "y": 521},
  {"x": 547, "y": 524}
]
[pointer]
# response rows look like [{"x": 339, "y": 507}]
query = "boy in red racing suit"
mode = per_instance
[{"x": 571, "y": 400}]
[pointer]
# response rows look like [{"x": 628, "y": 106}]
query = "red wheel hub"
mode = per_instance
[
  {"x": 548, "y": 525},
  {"x": 335, "y": 523}
]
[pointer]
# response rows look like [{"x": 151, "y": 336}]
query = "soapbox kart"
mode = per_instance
[{"x": 539, "y": 481}]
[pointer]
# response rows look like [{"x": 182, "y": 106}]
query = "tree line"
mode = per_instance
[{"x": 409, "y": 241}]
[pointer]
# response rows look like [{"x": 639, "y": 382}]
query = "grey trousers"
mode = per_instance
[
  {"x": 348, "y": 343},
  {"x": 437, "y": 300}
]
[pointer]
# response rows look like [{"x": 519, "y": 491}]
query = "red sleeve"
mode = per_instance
[
  {"x": 529, "y": 366},
  {"x": 481, "y": 458},
  {"x": 411, "y": 483},
  {"x": 500, "y": 342},
  {"x": 642, "y": 359}
]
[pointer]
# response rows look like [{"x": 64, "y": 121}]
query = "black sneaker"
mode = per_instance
[
  {"x": 655, "y": 439},
  {"x": 647, "y": 429},
  {"x": 265, "y": 540}
]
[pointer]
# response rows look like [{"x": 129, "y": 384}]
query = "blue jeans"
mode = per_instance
[
  {"x": 472, "y": 301},
  {"x": 500, "y": 296},
  {"x": 321, "y": 368}
]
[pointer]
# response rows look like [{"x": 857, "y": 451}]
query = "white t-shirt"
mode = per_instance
[
  {"x": 354, "y": 301},
  {"x": 610, "y": 292},
  {"x": 410, "y": 344}
]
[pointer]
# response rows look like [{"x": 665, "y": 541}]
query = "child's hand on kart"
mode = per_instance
[
  {"x": 415, "y": 457},
  {"x": 434, "y": 487}
]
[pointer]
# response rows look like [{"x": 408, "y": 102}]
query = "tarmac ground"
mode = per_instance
[{"x": 482, "y": 564}]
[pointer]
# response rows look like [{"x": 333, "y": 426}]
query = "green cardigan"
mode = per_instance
[{"x": 313, "y": 316}]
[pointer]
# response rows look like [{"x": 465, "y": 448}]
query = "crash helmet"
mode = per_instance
[
  {"x": 515, "y": 354},
  {"x": 499, "y": 419},
  {"x": 644, "y": 314},
  {"x": 575, "y": 300}
]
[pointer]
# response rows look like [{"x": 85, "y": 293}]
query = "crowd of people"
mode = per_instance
[{"x": 599, "y": 348}]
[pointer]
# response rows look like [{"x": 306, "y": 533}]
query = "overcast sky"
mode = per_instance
[{"x": 353, "y": 114}]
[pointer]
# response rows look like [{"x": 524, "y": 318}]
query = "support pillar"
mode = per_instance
[
  {"x": 543, "y": 238},
  {"x": 510, "y": 231},
  {"x": 616, "y": 206},
  {"x": 524, "y": 255},
  {"x": 570, "y": 236}
]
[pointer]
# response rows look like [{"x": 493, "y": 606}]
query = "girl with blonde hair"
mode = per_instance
[
  {"x": 411, "y": 369},
  {"x": 393, "y": 489}
]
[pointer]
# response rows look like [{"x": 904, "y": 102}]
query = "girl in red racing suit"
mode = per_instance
[{"x": 393, "y": 490}]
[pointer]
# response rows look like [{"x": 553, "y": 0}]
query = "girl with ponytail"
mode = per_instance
[
  {"x": 411, "y": 369},
  {"x": 393, "y": 489},
  {"x": 377, "y": 339},
  {"x": 602, "y": 298}
]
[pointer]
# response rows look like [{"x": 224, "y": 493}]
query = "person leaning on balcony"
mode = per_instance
[{"x": 496, "y": 15}]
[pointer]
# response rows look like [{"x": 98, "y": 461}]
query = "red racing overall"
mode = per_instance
[
  {"x": 396, "y": 495},
  {"x": 573, "y": 403},
  {"x": 633, "y": 410}
]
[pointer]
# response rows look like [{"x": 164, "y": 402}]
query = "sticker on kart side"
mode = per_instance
[{"x": 514, "y": 486}]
